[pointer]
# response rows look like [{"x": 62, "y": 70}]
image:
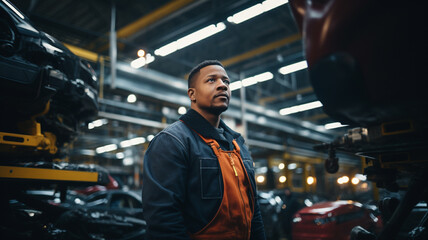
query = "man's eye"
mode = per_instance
[
  {"x": 211, "y": 80},
  {"x": 227, "y": 82}
]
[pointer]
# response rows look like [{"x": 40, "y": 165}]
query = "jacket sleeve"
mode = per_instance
[
  {"x": 164, "y": 187},
  {"x": 257, "y": 227}
]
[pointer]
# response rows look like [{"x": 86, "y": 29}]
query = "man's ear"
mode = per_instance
[{"x": 191, "y": 94}]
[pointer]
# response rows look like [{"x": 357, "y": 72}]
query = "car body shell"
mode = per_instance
[{"x": 333, "y": 220}]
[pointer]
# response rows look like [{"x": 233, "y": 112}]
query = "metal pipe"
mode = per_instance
[
  {"x": 101, "y": 79},
  {"x": 113, "y": 45},
  {"x": 243, "y": 121}
]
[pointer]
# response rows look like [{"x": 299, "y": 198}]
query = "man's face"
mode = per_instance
[{"x": 211, "y": 92}]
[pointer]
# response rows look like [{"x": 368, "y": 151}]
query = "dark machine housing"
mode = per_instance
[{"x": 40, "y": 81}]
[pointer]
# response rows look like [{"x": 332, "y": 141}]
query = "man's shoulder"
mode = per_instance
[
  {"x": 176, "y": 127},
  {"x": 177, "y": 130},
  {"x": 176, "y": 133}
]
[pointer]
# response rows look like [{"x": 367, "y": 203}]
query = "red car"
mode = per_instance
[
  {"x": 333, "y": 220},
  {"x": 111, "y": 185}
]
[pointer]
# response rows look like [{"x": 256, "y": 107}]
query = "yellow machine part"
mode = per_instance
[
  {"x": 39, "y": 141},
  {"x": 30, "y": 137},
  {"x": 10, "y": 172}
]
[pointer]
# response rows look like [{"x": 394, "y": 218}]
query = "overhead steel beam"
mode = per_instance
[
  {"x": 290, "y": 94},
  {"x": 152, "y": 17},
  {"x": 269, "y": 47},
  {"x": 134, "y": 120},
  {"x": 162, "y": 20},
  {"x": 303, "y": 156},
  {"x": 148, "y": 19},
  {"x": 83, "y": 53},
  {"x": 152, "y": 76},
  {"x": 317, "y": 117},
  {"x": 264, "y": 144}
]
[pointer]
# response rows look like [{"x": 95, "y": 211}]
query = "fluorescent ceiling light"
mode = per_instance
[
  {"x": 334, "y": 125},
  {"x": 120, "y": 155},
  {"x": 13, "y": 9},
  {"x": 260, "y": 179},
  {"x": 271, "y": 4},
  {"x": 361, "y": 176},
  {"x": 255, "y": 10},
  {"x": 264, "y": 76},
  {"x": 182, "y": 110},
  {"x": 106, "y": 148},
  {"x": 132, "y": 142},
  {"x": 150, "y": 137},
  {"x": 88, "y": 152},
  {"x": 128, "y": 161},
  {"x": 251, "y": 80},
  {"x": 190, "y": 39},
  {"x": 141, "y": 61},
  {"x": 293, "y": 67},
  {"x": 131, "y": 98},
  {"x": 167, "y": 49},
  {"x": 141, "y": 53},
  {"x": 248, "y": 81},
  {"x": 235, "y": 85},
  {"x": 292, "y": 166},
  {"x": 199, "y": 35},
  {"x": 268, "y": 75},
  {"x": 246, "y": 14},
  {"x": 100, "y": 122},
  {"x": 300, "y": 108},
  {"x": 97, "y": 123}
]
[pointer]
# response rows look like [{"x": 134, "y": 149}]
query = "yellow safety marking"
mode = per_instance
[{"x": 47, "y": 174}]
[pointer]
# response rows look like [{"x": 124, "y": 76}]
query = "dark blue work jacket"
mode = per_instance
[{"x": 182, "y": 182}]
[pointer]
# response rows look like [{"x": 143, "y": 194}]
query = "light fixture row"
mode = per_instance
[
  {"x": 206, "y": 32},
  {"x": 123, "y": 144},
  {"x": 268, "y": 75}
]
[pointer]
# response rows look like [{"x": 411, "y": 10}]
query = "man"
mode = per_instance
[{"x": 198, "y": 177}]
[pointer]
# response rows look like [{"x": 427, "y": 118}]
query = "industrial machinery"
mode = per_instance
[
  {"x": 46, "y": 91},
  {"x": 367, "y": 63},
  {"x": 46, "y": 95}
]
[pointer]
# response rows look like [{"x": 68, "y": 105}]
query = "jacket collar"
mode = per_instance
[{"x": 198, "y": 123}]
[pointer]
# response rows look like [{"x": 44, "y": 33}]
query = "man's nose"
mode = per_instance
[{"x": 222, "y": 85}]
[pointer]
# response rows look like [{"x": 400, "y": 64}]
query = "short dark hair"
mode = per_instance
[{"x": 197, "y": 68}]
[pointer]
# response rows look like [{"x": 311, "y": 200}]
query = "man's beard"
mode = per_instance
[{"x": 217, "y": 110}]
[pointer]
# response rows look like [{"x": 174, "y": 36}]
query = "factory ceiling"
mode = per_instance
[{"x": 264, "y": 43}]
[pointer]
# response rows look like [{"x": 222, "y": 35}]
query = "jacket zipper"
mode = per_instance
[
  {"x": 233, "y": 165},
  {"x": 240, "y": 193}
]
